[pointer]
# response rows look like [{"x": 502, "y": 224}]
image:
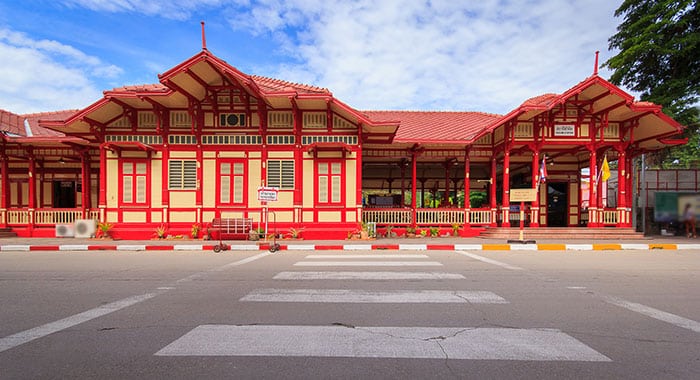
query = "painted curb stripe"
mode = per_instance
[
  {"x": 357, "y": 247},
  {"x": 688, "y": 246},
  {"x": 385, "y": 246},
  {"x": 579, "y": 247},
  {"x": 43, "y": 248},
  {"x": 607, "y": 247},
  {"x": 76, "y": 247},
  {"x": 496, "y": 247},
  {"x": 159, "y": 248},
  {"x": 329, "y": 247},
  {"x": 468, "y": 247},
  {"x": 102, "y": 247},
  {"x": 523, "y": 247},
  {"x": 131, "y": 248},
  {"x": 665, "y": 246},
  {"x": 301, "y": 247},
  {"x": 416, "y": 247},
  {"x": 441, "y": 247},
  {"x": 15, "y": 248},
  {"x": 551, "y": 247}
]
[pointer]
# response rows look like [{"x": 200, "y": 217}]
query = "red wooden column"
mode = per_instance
[
  {"x": 535, "y": 205},
  {"x": 506, "y": 189},
  {"x": 32, "y": 191},
  {"x": 85, "y": 182},
  {"x": 623, "y": 215},
  {"x": 5, "y": 187},
  {"x": 414, "y": 179},
  {"x": 467, "y": 188},
  {"x": 492, "y": 195},
  {"x": 593, "y": 193},
  {"x": 358, "y": 181},
  {"x": 102, "y": 196}
]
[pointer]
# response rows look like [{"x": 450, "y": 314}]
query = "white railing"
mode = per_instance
[
  {"x": 480, "y": 216},
  {"x": 57, "y": 216},
  {"x": 610, "y": 216},
  {"x": 436, "y": 216},
  {"x": 387, "y": 217},
  {"x": 18, "y": 216}
]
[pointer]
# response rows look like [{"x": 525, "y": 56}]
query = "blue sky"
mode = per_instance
[{"x": 486, "y": 55}]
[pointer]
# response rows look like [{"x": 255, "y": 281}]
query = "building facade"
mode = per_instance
[{"x": 201, "y": 143}]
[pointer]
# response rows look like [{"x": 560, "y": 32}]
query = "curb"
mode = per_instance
[{"x": 356, "y": 247}]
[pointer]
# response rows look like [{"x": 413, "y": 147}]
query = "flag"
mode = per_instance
[
  {"x": 605, "y": 170},
  {"x": 543, "y": 169}
]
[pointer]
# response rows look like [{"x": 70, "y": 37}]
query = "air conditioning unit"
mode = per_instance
[
  {"x": 64, "y": 230},
  {"x": 232, "y": 119},
  {"x": 85, "y": 228}
]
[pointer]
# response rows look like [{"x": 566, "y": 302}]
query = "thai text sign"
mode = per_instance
[
  {"x": 523, "y": 195},
  {"x": 565, "y": 130},
  {"x": 267, "y": 194}
]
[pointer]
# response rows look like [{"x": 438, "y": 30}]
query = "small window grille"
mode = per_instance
[
  {"x": 182, "y": 174},
  {"x": 280, "y": 174}
]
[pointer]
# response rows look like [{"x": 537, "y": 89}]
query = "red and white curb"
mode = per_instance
[{"x": 354, "y": 247}]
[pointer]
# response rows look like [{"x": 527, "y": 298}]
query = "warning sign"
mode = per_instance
[{"x": 267, "y": 194}]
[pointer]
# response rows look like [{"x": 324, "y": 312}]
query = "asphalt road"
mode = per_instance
[{"x": 389, "y": 314}]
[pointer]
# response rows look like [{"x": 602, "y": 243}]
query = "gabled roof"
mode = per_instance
[
  {"x": 15, "y": 124},
  {"x": 436, "y": 126},
  {"x": 271, "y": 85}
]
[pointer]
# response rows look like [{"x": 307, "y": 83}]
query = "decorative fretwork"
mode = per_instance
[
  {"x": 350, "y": 140},
  {"x": 122, "y": 122},
  {"x": 281, "y": 139},
  {"x": 280, "y": 119},
  {"x": 147, "y": 120},
  {"x": 232, "y": 140},
  {"x": 180, "y": 119},
  {"x": 143, "y": 139},
  {"x": 340, "y": 123},
  {"x": 315, "y": 120},
  {"x": 182, "y": 139}
]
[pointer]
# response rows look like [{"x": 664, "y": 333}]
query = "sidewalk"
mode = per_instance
[{"x": 403, "y": 244}]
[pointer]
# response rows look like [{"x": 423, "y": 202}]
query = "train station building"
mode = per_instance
[{"x": 203, "y": 141}]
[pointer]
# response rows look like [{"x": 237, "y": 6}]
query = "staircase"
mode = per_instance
[
  {"x": 563, "y": 233},
  {"x": 7, "y": 233}
]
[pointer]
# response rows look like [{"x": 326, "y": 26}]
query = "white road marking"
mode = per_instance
[
  {"x": 576, "y": 287},
  {"x": 383, "y": 342},
  {"x": 26, "y": 336},
  {"x": 367, "y": 276},
  {"x": 368, "y": 264},
  {"x": 368, "y": 296},
  {"x": 376, "y": 256},
  {"x": 23, "y": 337},
  {"x": 490, "y": 261},
  {"x": 655, "y": 313}
]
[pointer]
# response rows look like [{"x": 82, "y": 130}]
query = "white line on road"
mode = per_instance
[
  {"x": 490, "y": 261},
  {"x": 383, "y": 342},
  {"x": 367, "y": 296},
  {"x": 367, "y": 276},
  {"x": 375, "y": 256},
  {"x": 655, "y": 313},
  {"x": 23, "y": 337},
  {"x": 368, "y": 264}
]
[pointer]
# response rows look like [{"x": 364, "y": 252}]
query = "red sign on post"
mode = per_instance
[{"x": 267, "y": 194}]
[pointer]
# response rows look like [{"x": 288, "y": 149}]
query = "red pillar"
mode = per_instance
[
  {"x": 536, "y": 180},
  {"x": 593, "y": 193},
  {"x": 414, "y": 201},
  {"x": 85, "y": 183},
  {"x": 492, "y": 195},
  {"x": 102, "y": 198},
  {"x": 358, "y": 181},
  {"x": 506, "y": 189},
  {"x": 623, "y": 218},
  {"x": 32, "y": 192},
  {"x": 5, "y": 192},
  {"x": 467, "y": 188}
]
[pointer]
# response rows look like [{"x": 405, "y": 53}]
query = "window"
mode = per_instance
[
  {"x": 134, "y": 184},
  {"x": 232, "y": 182},
  {"x": 330, "y": 182},
  {"x": 280, "y": 174},
  {"x": 182, "y": 174}
]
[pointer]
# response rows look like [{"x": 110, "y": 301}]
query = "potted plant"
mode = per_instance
[
  {"x": 434, "y": 232},
  {"x": 104, "y": 230},
  {"x": 410, "y": 232},
  {"x": 455, "y": 229},
  {"x": 295, "y": 233},
  {"x": 390, "y": 231},
  {"x": 160, "y": 232},
  {"x": 194, "y": 233}
]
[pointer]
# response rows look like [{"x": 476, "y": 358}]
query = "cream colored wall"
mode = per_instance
[
  {"x": 112, "y": 171},
  {"x": 157, "y": 182},
  {"x": 182, "y": 198},
  {"x": 134, "y": 217},
  {"x": 255, "y": 180},
  {"x": 308, "y": 181},
  {"x": 209, "y": 180},
  {"x": 183, "y": 216},
  {"x": 351, "y": 180},
  {"x": 329, "y": 216}
]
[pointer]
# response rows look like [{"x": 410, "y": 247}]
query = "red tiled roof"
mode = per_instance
[
  {"x": 278, "y": 85},
  {"x": 14, "y": 123},
  {"x": 425, "y": 126},
  {"x": 543, "y": 100}
]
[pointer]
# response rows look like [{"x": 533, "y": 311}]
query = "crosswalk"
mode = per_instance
[{"x": 341, "y": 340}]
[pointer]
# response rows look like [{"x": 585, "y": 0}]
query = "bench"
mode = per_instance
[{"x": 230, "y": 228}]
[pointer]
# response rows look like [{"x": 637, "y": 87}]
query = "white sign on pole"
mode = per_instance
[{"x": 267, "y": 194}]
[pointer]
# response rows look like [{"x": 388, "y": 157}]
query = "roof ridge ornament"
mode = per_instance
[
  {"x": 204, "y": 37},
  {"x": 595, "y": 68}
]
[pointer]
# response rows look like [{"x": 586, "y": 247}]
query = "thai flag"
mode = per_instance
[{"x": 543, "y": 169}]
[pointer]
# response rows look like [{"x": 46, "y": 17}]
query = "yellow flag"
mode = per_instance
[{"x": 605, "y": 170}]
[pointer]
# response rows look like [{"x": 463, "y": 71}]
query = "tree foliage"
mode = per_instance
[{"x": 658, "y": 45}]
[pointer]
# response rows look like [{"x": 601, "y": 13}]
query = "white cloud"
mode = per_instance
[
  {"x": 487, "y": 56},
  {"x": 43, "y": 75}
]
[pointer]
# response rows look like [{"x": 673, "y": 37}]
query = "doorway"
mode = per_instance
[
  {"x": 557, "y": 204},
  {"x": 63, "y": 194}
]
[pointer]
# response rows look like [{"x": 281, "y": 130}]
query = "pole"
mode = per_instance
[{"x": 522, "y": 220}]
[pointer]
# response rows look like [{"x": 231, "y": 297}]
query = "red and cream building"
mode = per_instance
[{"x": 199, "y": 144}]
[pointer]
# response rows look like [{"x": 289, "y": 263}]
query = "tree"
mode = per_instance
[{"x": 659, "y": 56}]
